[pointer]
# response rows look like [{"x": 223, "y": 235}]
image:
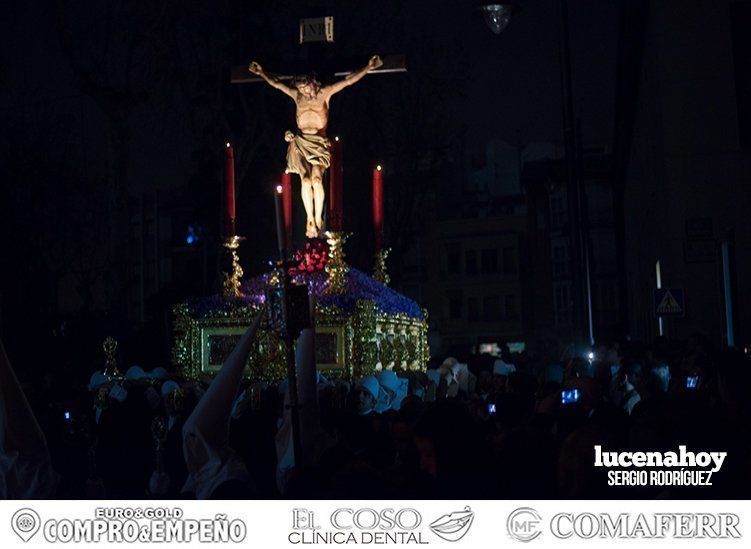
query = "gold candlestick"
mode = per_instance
[
  {"x": 276, "y": 277},
  {"x": 110, "y": 363},
  {"x": 232, "y": 278},
  {"x": 379, "y": 271},
  {"x": 336, "y": 266}
]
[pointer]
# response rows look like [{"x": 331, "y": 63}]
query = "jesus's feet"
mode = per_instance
[{"x": 311, "y": 231}]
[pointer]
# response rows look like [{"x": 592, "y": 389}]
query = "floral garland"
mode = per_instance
[
  {"x": 311, "y": 259},
  {"x": 308, "y": 267}
]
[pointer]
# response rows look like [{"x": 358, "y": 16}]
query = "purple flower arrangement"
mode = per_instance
[{"x": 358, "y": 286}]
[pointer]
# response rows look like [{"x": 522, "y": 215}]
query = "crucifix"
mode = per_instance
[{"x": 308, "y": 150}]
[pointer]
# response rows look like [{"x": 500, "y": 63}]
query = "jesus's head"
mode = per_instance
[{"x": 307, "y": 85}]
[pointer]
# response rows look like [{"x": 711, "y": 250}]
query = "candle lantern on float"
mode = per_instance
[
  {"x": 288, "y": 207},
  {"x": 381, "y": 253},
  {"x": 109, "y": 346},
  {"x": 231, "y": 242}
]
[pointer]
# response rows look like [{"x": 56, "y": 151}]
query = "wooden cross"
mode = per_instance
[
  {"x": 391, "y": 63},
  {"x": 306, "y": 156},
  {"x": 318, "y": 32}
]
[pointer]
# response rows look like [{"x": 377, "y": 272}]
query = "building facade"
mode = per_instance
[{"x": 686, "y": 165}]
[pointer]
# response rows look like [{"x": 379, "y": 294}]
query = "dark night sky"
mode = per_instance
[
  {"x": 517, "y": 73},
  {"x": 503, "y": 87},
  {"x": 513, "y": 82},
  {"x": 66, "y": 233}
]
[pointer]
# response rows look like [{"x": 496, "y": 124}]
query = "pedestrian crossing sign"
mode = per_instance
[{"x": 670, "y": 302}]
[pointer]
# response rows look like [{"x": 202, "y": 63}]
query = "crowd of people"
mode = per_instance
[{"x": 511, "y": 426}]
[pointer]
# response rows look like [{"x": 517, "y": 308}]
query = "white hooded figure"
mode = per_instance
[
  {"x": 135, "y": 373},
  {"x": 465, "y": 379},
  {"x": 169, "y": 387},
  {"x": 434, "y": 380},
  {"x": 449, "y": 371},
  {"x": 396, "y": 387},
  {"x": 448, "y": 364},
  {"x": 501, "y": 368},
  {"x": 372, "y": 398},
  {"x": 97, "y": 379},
  {"x": 25, "y": 465},
  {"x": 623, "y": 393},
  {"x": 159, "y": 373},
  {"x": 210, "y": 460},
  {"x": 434, "y": 376},
  {"x": 662, "y": 373}
]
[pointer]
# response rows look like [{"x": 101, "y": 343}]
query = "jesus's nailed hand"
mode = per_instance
[{"x": 375, "y": 62}]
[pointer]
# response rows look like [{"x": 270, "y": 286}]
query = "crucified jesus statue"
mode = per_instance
[{"x": 309, "y": 152}]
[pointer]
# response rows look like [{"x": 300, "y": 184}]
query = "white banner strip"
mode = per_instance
[{"x": 272, "y": 524}]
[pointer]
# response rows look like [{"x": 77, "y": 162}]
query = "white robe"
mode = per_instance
[{"x": 25, "y": 466}]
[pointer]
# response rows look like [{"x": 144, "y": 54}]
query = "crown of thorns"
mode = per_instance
[{"x": 306, "y": 79}]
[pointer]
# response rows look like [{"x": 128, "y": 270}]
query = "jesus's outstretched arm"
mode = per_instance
[
  {"x": 350, "y": 79},
  {"x": 255, "y": 68}
]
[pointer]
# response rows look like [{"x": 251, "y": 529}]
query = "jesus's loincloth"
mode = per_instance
[{"x": 307, "y": 150}]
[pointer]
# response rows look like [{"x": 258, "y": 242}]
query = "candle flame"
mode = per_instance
[
  {"x": 336, "y": 138},
  {"x": 279, "y": 189},
  {"x": 378, "y": 167},
  {"x": 228, "y": 144}
]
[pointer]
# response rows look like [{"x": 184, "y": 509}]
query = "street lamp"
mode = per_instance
[{"x": 497, "y": 16}]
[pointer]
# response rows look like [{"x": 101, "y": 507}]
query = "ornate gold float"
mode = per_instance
[{"x": 362, "y": 327}]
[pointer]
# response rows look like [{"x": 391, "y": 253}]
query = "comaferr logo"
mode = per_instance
[{"x": 657, "y": 525}]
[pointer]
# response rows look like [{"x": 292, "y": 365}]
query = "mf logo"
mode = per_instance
[{"x": 524, "y": 524}]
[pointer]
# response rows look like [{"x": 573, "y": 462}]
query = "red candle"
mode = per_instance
[
  {"x": 287, "y": 198},
  {"x": 229, "y": 191},
  {"x": 280, "y": 238},
  {"x": 378, "y": 206},
  {"x": 336, "y": 176}
]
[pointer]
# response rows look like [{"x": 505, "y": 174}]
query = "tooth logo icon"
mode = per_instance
[
  {"x": 25, "y": 523},
  {"x": 454, "y": 526}
]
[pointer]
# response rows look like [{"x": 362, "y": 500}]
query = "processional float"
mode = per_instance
[{"x": 361, "y": 324}]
